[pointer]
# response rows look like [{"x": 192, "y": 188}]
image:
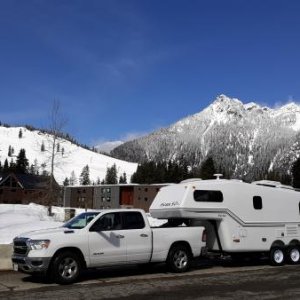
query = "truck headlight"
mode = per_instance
[{"x": 38, "y": 244}]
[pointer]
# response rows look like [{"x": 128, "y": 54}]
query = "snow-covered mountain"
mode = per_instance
[
  {"x": 245, "y": 140},
  {"x": 68, "y": 156}
]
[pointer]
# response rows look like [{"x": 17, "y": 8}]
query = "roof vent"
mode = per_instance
[{"x": 218, "y": 176}]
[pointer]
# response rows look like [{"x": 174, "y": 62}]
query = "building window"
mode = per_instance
[
  {"x": 208, "y": 196},
  {"x": 146, "y": 199},
  {"x": 257, "y": 202},
  {"x": 146, "y": 189}
]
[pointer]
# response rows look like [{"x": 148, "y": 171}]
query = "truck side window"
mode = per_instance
[
  {"x": 257, "y": 202},
  {"x": 110, "y": 221},
  {"x": 208, "y": 196},
  {"x": 133, "y": 220}
]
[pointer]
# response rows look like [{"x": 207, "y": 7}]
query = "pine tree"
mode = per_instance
[
  {"x": 22, "y": 162},
  {"x": 296, "y": 173},
  {"x": 57, "y": 147},
  {"x": 207, "y": 169},
  {"x": 123, "y": 178},
  {"x": 9, "y": 151},
  {"x": 66, "y": 182},
  {"x": 43, "y": 147},
  {"x": 111, "y": 176},
  {"x": 20, "y": 133},
  {"x": 5, "y": 167},
  {"x": 85, "y": 176}
]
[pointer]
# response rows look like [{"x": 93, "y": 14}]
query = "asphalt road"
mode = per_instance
[{"x": 206, "y": 280}]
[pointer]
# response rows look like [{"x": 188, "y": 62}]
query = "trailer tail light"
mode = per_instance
[{"x": 204, "y": 236}]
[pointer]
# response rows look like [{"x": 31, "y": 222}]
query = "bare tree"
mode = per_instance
[{"x": 57, "y": 123}]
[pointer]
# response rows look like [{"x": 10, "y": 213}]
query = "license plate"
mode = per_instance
[{"x": 15, "y": 267}]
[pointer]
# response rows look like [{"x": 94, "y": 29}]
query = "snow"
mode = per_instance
[
  {"x": 16, "y": 219},
  {"x": 74, "y": 158}
]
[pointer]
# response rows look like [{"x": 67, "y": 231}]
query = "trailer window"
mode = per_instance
[
  {"x": 208, "y": 196},
  {"x": 257, "y": 202}
]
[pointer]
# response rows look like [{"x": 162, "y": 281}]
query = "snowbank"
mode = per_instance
[{"x": 16, "y": 219}]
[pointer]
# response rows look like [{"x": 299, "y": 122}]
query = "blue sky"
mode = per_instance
[{"x": 123, "y": 68}]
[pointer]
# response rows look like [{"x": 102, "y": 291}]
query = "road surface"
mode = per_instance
[{"x": 205, "y": 281}]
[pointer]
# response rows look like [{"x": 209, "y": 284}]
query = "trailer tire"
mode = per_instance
[
  {"x": 179, "y": 259},
  {"x": 277, "y": 256},
  {"x": 293, "y": 255},
  {"x": 66, "y": 268}
]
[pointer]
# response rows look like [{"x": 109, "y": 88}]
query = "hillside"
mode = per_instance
[
  {"x": 245, "y": 140},
  {"x": 69, "y": 157}
]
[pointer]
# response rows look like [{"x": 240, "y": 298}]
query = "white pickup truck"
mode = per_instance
[{"x": 105, "y": 238}]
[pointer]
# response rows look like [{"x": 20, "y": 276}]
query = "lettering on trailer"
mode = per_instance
[{"x": 168, "y": 204}]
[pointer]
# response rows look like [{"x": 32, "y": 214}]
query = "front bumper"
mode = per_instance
[{"x": 30, "y": 264}]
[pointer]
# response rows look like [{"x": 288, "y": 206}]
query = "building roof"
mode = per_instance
[{"x": 28, "y": 181}]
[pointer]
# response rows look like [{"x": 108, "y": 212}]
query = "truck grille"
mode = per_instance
[{"x": 20, "y": 246}]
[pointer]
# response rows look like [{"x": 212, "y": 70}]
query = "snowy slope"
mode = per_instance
[
  {"x": 72, "y": 158},
  {"x": 245, "y": 140}
]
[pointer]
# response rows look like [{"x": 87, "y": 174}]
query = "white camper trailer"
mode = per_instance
[{"x": 262, "y": 217}]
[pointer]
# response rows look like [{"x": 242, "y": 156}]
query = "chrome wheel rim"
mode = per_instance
[
  {"x": 68, "y": 268},
  {"x": 180, "y": 259},
  {"x": 278, "y": 256},
  {"x": 294, "y": 255}
]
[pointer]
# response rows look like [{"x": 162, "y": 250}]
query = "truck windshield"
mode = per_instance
[{"x": 81, "y": 220}]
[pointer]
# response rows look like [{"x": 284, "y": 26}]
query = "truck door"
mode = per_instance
[
  {"x": 138, "y": 237},
  {"x": 107, "y": 243}
]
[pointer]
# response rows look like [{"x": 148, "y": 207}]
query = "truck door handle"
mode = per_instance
[
  {"x": 119, "y": 236},
  {"x": 144, "y": 235}
]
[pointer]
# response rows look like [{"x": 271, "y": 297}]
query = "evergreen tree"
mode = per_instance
[
  {"x": 66, "y": 182},
  {"x": 98, "y": 181},
  {"x": 22, "y": 162},
  {"x": 20, "y": 133},
  {"x": 12, "y": 166},
  {"x": 43, "y": 147},
  {"x": 9, "y": 151},
  {"x": 5, "y": 167},
  {"x": 57, "y": 147},
  {"x": 123, "y": 178},
  {"x": 111, "y": 175},
  {"x": 296, "y": 173},
  {"x": 85, "y": 176},
  {"x": 207, "y": 169}
]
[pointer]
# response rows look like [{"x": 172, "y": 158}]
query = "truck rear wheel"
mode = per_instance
[
  {"x": 293, "y": 254},
  {"x": 66, "y": 268},
  {"x": 277, "y": 256},
  {"x": 179, "y": 258}
]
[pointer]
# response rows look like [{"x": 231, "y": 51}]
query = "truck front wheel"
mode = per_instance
[
  {"x": 66, "y": 268},
  {"x": 179, "y": 258}
]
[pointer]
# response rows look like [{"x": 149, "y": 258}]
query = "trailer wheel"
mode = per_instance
[
  {"x": 179, "y": 258},
  {"x": 293, "y": 254},
  {"x": 66, "y": 268},
  {"x": 277, "y": 256}
]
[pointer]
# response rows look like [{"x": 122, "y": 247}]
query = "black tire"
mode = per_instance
[
  {"x": 179, "y": 259},
  {"x": 277, "y": 256},
  {"x": 66, "y": 268},
  {"x": 293, "y": 255}
]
